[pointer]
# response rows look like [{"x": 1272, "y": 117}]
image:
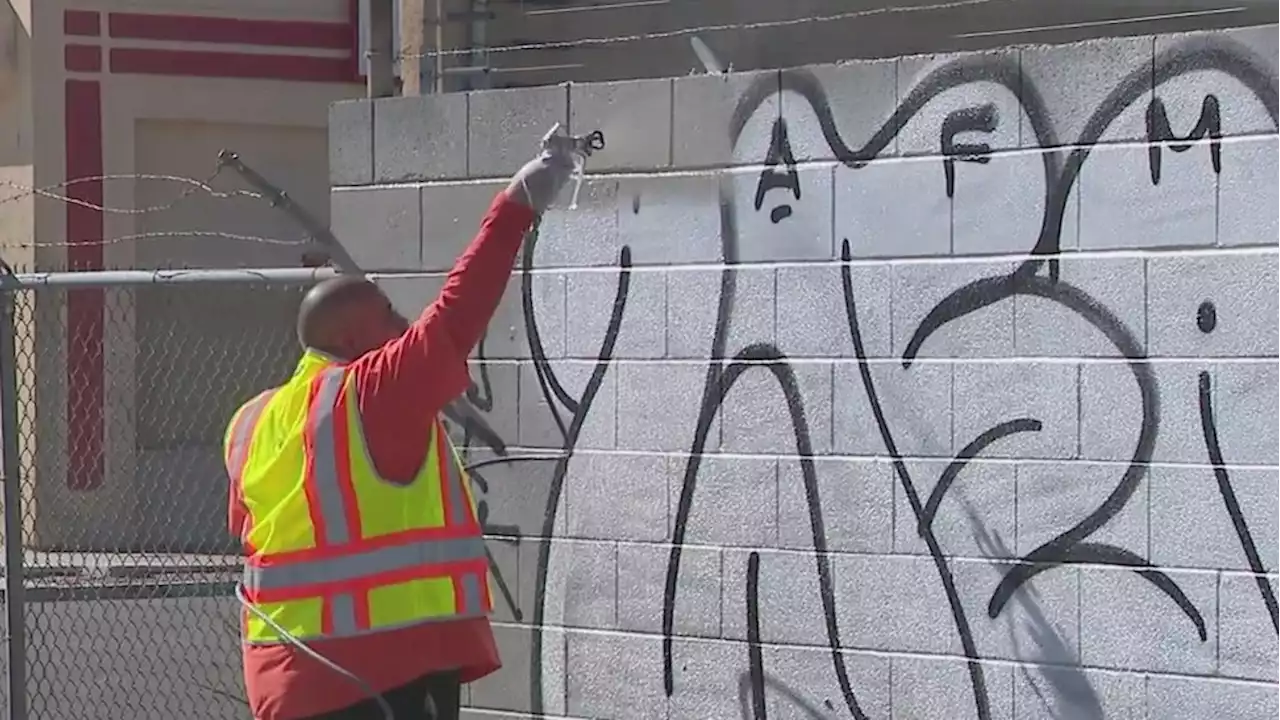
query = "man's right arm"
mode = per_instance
[{"x": 403, "y": 385}]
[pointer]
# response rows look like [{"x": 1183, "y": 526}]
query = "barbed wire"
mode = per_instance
[
  {"x": 161, "y": 235},
  {"x": 193, "y": 186},
  {"x": 698, "y": 29}
]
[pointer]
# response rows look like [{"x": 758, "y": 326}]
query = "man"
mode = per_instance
[{"x": 365, "y": 572}]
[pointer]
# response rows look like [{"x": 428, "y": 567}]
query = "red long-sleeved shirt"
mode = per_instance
[{"x": 401, "y": 388}]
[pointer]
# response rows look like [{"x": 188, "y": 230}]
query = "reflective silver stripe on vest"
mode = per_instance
[
  {"x": 243, "y": 434},
  {"x": 324, "y": 470},
  {"x": 363, "y": 564},
  {"x": 343, "y": 610}
]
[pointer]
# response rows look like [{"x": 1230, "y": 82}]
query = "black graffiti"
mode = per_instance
[
  {"x": 1230, "y": 501},
  {"x": 1160, "y": 134},
  {"x": 983, "y": 118},
  {"x": 578, "y": 410},
  {"x": 1061, "y": 170},
  {"x": 771, "y": 178}
]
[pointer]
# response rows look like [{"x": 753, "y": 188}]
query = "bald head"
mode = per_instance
[{"x": 346, "y": 317}]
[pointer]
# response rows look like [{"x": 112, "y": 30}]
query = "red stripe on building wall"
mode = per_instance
[
  {"x": 81, "y": 22},
  {"x": 232, "y": 31},
  {"x": 230, "y": 65},
  {"x": 82, "y": 58},
  {"x": 85, "y": 461}
]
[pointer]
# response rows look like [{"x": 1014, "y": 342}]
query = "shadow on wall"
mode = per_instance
[{"x": 1065, "y": 693}]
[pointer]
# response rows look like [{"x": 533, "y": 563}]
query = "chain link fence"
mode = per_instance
[{"x": 117, "y": 387}]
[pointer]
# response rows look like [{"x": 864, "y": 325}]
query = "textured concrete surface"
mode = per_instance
[{"x": 967, "y": 473}]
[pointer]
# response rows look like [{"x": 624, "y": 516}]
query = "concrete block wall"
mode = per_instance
[{"x": 938, "y": 387}]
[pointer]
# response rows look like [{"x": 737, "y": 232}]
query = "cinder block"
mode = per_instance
[
  {"x": 693, "y": 298},
  {"x": 998, "y": 206},
  {"x": 672, "y": 393},
  {"x": 351, "y": 143},
  {"x": 989, "y": 395},
  {"x": 1038, "y": 626},
  {"x": 615, "y": 676},
  {"x": 941, "y": 687},
  {"x": 451, "y": 216},
  {"x": 532, "y": 593},
  {"x": 511, "y": 328},
  {"x": 1209, "y": 698},
  {"x": 586, "y": 575},
  {"x": 585, "y": 236},
  {"x": 1126, "y": 623},
  {"x": 1051, "y": 693},
  {"x": 1054, "y": 497},
  {"x": 504, "y": 579},
  {"x": 538, "y": 425},
  {"x": 516, "y": 500},
  {"x": 1111, "y": 409},
  {"x": 642, "y": 332},
  {"x": 379, "y": 227},
  {"x": 880, "y": 220},
  {"x": 635, "y": 117},
  {"x": 936, "y": 82},
  {"x": 1071, "y": 96},
  {"x": 711, "y": 111},
  {"x": 420, "y": 138},
  {"x": 618, "y": 497},
  {"x": 1189, "y": 497},
  {"x": 780, "y": 217},
  {"x": 508, "y": 688},
  {"x": 734, "y": 502},
  {"x": 1218, "y": 55},
  {"x": 919, "y": 286},
  {"x": 705, "y": 679},
  {"x": 788, "y": 597},
  {"x": 507, "y": 126},
  {"x": 642, "y": 578},
  {"x": 669, "y": 220},
  {"x": 1247, "y": 190},
  {"x": 411, "y": 294},
  {"x": 856, "y": 500},
  {"x": 872, "y": 615},
  {"x": 812, "y": 317},
  {"x": 1212, "y": 306},
  {"x": 973, "y": 517},
  {"x": 1049, "y": 328},
  {"x": 1244, "y": 416},
  {"x": 1246, "y": 646},
  {"x": 916, "y": 403},
  {"x": 495, "y": 398},
  {"x": 1121, "y": 206},
  {"x": 801, "y": 683},
  {"x": 756, "y": 414},
  {"x": 859, "y": 97}
]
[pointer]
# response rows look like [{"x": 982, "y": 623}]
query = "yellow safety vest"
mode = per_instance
[{"x": 332, "y": 549}]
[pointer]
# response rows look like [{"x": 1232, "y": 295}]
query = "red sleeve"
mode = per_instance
[{"x": 403, "y": 385}]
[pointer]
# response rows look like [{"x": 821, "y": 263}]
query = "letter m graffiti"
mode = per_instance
[{"x": 1160, "y": 135}]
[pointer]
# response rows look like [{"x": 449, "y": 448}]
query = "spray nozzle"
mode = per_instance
[{"x": 582, "y": 147}]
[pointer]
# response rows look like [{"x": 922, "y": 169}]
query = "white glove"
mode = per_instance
[{"x": 537, "y": 184}]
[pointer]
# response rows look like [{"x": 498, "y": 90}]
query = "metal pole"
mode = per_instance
[
  {"x": 416, "y": 67},
  {"x": 380, "y": 77},
  {"x": 281, "y": 199},
  {"x": 14, "y": 604}
]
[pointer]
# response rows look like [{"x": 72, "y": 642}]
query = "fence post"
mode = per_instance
[{"x": 10, "y": 474}]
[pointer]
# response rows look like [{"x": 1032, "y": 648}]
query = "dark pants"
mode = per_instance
[{"x": 410, "y": 701}]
